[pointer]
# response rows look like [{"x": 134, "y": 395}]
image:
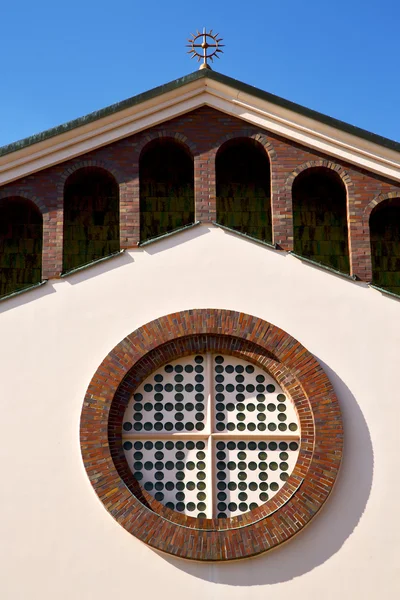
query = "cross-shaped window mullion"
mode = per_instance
[{"x": 225, "y": 478}]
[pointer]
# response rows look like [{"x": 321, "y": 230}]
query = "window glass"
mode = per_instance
[{"x": 211, "y": 436}]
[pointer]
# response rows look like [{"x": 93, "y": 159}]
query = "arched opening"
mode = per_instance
[
  {"x": 166, "y": 188},
  {"x": 91, "y": 217},
  {"x": 320, "y": 218},
  {"x": 385, "y": 245},
  {"x": 244, "y": 188},
  {"x": 21, "y": 234}
]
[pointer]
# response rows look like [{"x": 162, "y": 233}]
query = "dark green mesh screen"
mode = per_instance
[
  {"x": 20, "y": 245},
  {"x": 320, "y": 218},
  {"x": 243, "y": 188},
  {"x": 91, "y": 217},
  {"x": 385, "y": 245},
  {"x": 166, "y": 189}
]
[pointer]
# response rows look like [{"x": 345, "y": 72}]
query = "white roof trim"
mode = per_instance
[{"x": 264, "y": 114}]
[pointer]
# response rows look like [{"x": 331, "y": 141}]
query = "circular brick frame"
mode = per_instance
[{"x": 251, "y": 339}]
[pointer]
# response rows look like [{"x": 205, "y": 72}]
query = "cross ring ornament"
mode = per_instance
[{"x": 205, "y": 46}]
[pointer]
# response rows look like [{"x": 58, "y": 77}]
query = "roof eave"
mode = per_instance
[{"x": 168, "y": 101}]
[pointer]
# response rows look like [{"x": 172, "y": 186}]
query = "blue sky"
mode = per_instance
[{"x": 63, "y": 60}]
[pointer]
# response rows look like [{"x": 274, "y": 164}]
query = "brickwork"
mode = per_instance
[
  {"x": 91, "y": 217},
  {"x": 244, "y": 188},
  {"x": 166, "y": 187},
  {"x": 254, "y": 340},
  {"x": 320, "y": 229},
  {"x": 21, "y": 236},
  {"x": 203, "y": 131},
  {"x": 384, "y": 227}
]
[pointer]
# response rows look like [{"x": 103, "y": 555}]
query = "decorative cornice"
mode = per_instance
[{"x": 261, "y": 109}]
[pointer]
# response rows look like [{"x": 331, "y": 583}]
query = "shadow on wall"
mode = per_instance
[
  {"x": 26, "y": 296},
  {"x": 185, "y": 235},
  {"x": 327, "y": 533},
  {"x": 87, "y": 272},
  {"x": 175, "y": 238},
  {"x": 95, "y": 269}
]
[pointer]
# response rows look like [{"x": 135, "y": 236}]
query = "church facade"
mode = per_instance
[{"x": 200, "y": 329}]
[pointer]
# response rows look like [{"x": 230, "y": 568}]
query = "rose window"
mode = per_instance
[{"x": 211, "y": 436}]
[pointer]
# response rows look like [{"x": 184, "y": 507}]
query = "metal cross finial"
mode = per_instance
[{"x": 205, "y": 54}]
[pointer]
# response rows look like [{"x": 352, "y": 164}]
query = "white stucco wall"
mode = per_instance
[{"x": 58, "y": 542}]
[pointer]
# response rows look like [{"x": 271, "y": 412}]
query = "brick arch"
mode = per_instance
[
  {"x": 177, "y": 137},
  {"x": 52, "y": 232},
  {"x": 44, "y": 224},
  {"x": 47, "y": 252},
  {"x": 269, "y": 151},
  {"x": 128, "y": 236},
  {"x": 40, "y": 205},
  {"x": 377, "y": 200},
  {"x": 368, "y": 211},
  {"x": 349, "y": 188},
  {"x": 67, "y": 173},
  {"x": 148, "y": 213},
  {"x": 259, "y": 137},
  {"x": 328, "y": 164},
  {"x": 238, "y": 334},
  {"x": 76, "y": 166}
]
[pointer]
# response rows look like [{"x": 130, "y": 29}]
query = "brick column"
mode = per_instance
[
  {"x": 52, "y": 258},
  {"x": 204, "y": 187},
  {"x": 359, "y": 245},
  {"x": 129, "y": 202},
  {"x": 282, "y": 216}
]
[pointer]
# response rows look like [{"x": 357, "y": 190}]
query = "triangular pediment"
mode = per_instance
[{"x": 281, "y": 117}]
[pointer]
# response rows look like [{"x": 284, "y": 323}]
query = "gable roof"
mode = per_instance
[{"x": 308, "y": 127}]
